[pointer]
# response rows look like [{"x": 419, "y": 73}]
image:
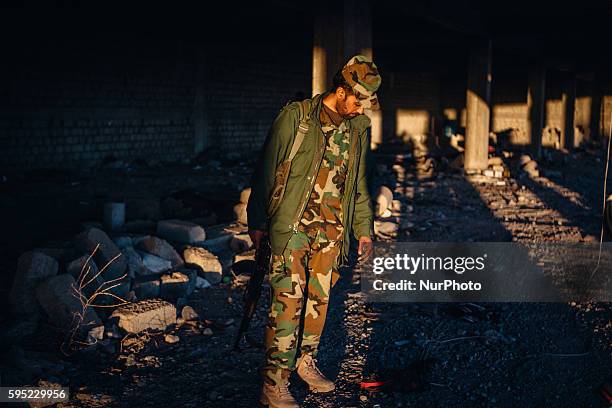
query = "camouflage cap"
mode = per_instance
[{"x": 362, "y": 76}]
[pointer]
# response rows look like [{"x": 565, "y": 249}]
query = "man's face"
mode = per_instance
[{"x": 347, "y": 104}]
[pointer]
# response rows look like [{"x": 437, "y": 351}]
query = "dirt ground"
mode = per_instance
[{"x": 510, "y": 354}]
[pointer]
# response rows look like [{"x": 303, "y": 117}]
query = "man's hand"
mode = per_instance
[
  {"x": 365, "y": 249},
  {"x": 256, "y": 236}
]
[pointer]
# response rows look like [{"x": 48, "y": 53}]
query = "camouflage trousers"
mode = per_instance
[{"x": 300, "y": 281}]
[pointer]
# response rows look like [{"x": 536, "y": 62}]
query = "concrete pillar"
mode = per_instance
[
  {"x": 569, "y": 105},
  {"x": 536, "y": 98},
  {"x": 341, "y": 30},
  {"x": 595, "y": 119},
  {"x": 357, "y": 28},
  {"x": 477, "y": 106},
  {"x": 328, "y": 47}
]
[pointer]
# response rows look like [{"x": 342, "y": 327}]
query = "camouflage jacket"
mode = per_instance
[{"x": 356, "y": 204}]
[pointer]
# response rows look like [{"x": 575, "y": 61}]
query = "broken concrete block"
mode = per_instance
[
  {"x": 154, "y": 264},
  {"x": 488, "y": 173},
  {"x": 171, "y": 338},
  {"x": 245, "y": 256},
  {"x": 241, "y": 243},
  {"x": 245, "y": 195},
  {"x": 84, "y": 273},
  {"x": 531, "y": 168},
  {"x": 180, "y": 231},
  {"x": 113, "y": 216},
  {"x": 384, "y": 200},
  {"x": 87, "y": 241},
  {"x": 145, "y": 314},
  {"x": 174, "y": 285},
  {"x": 95, "y": 334},
  {"x": 147, "y": 289},
  {"x": 189, "y": 314},
  {"x": 123, "y": 241},
  {"x": 160, "y": 248},
  {"x": 385, "y": 228},
  {"x": 495, "y": 161},
  {"x": 60, "y": 300},
  {"x": 32, "y": 269},
  {"x": 524, "y": 159},
  {"x": 202, "y": 283},
  {"x": 135, "y": 265},
  {"x": 240, "y": 213},
  {"x": 217, "y": 244},
  {"x": 211, "y": 268}
]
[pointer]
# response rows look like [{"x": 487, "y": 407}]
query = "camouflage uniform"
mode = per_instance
[{"x": 307, "y": 269}]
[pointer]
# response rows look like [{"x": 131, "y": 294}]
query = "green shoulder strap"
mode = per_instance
[{"x": 302, "y": 128}]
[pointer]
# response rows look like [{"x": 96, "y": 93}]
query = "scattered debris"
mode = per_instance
[{"x": 171, "y": 338}]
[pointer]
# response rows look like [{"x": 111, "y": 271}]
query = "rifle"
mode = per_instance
[{"x": 252, "y": 292}]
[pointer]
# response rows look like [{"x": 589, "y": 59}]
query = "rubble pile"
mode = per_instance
[{"x": 115, "y": 279}]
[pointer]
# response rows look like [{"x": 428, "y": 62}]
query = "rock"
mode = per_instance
[
  {"x": 171, "y": 338},
  {"x": 32, "y": 269},
  {"x": 218, "y": 244},
  {"x": 113, "y": 217},
  {"x": 147, "y": 289},
  {"x": 83, "y": 271},
  {"x": 145, "y": 314},
  {"x": 245, "y": 195},
  {"x": 240, "y": 213},
  {"x": 58, "y": 297},
  {"x": 385, "y": 228},
  {"x": 207, "y": 332},
  {"x": 531, "y": 168},
  {"x": 245, "y": 256},
  {"x": 154, "y": 264},
  {"x": 174, "y": 285},
  {"x": 524, "y": 159},
  {"x": 95, "y": 334},
  {"x": 180, "y": 231},
  {"x": 241, "y": 243},
  {"x": 495, "y": 161},
  {"x": 211, "y": 268},
  {"x": 384, "y": 200},
  {"x": 160, "y": 248},
  {"x": 104, "y": 255},
  {"x": 135, "y": 264},
  {"x": 189, "y": 314},
  {"x": 488, "y": 173},
  {"x": 192, "y": 274},
  {"x": 123, "y": 241},
  {"x": 112, "y": 332},
  {"x": 202, "y": 283}
]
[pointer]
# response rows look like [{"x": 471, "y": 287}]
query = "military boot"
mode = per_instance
[
  {"x": 308, "y": 371},
  {"x": 278, "y": 395}
]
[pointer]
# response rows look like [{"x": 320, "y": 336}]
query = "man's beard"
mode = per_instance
[{"x": 343, "y": 110}]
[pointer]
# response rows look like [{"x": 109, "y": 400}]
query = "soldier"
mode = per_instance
[{"x": 325, "y": 200}]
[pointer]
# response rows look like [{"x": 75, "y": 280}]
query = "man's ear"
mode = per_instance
[{"x": 340, "y": 93}]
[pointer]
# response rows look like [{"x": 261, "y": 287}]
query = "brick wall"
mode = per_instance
[{"x": 76, "y": 103}]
